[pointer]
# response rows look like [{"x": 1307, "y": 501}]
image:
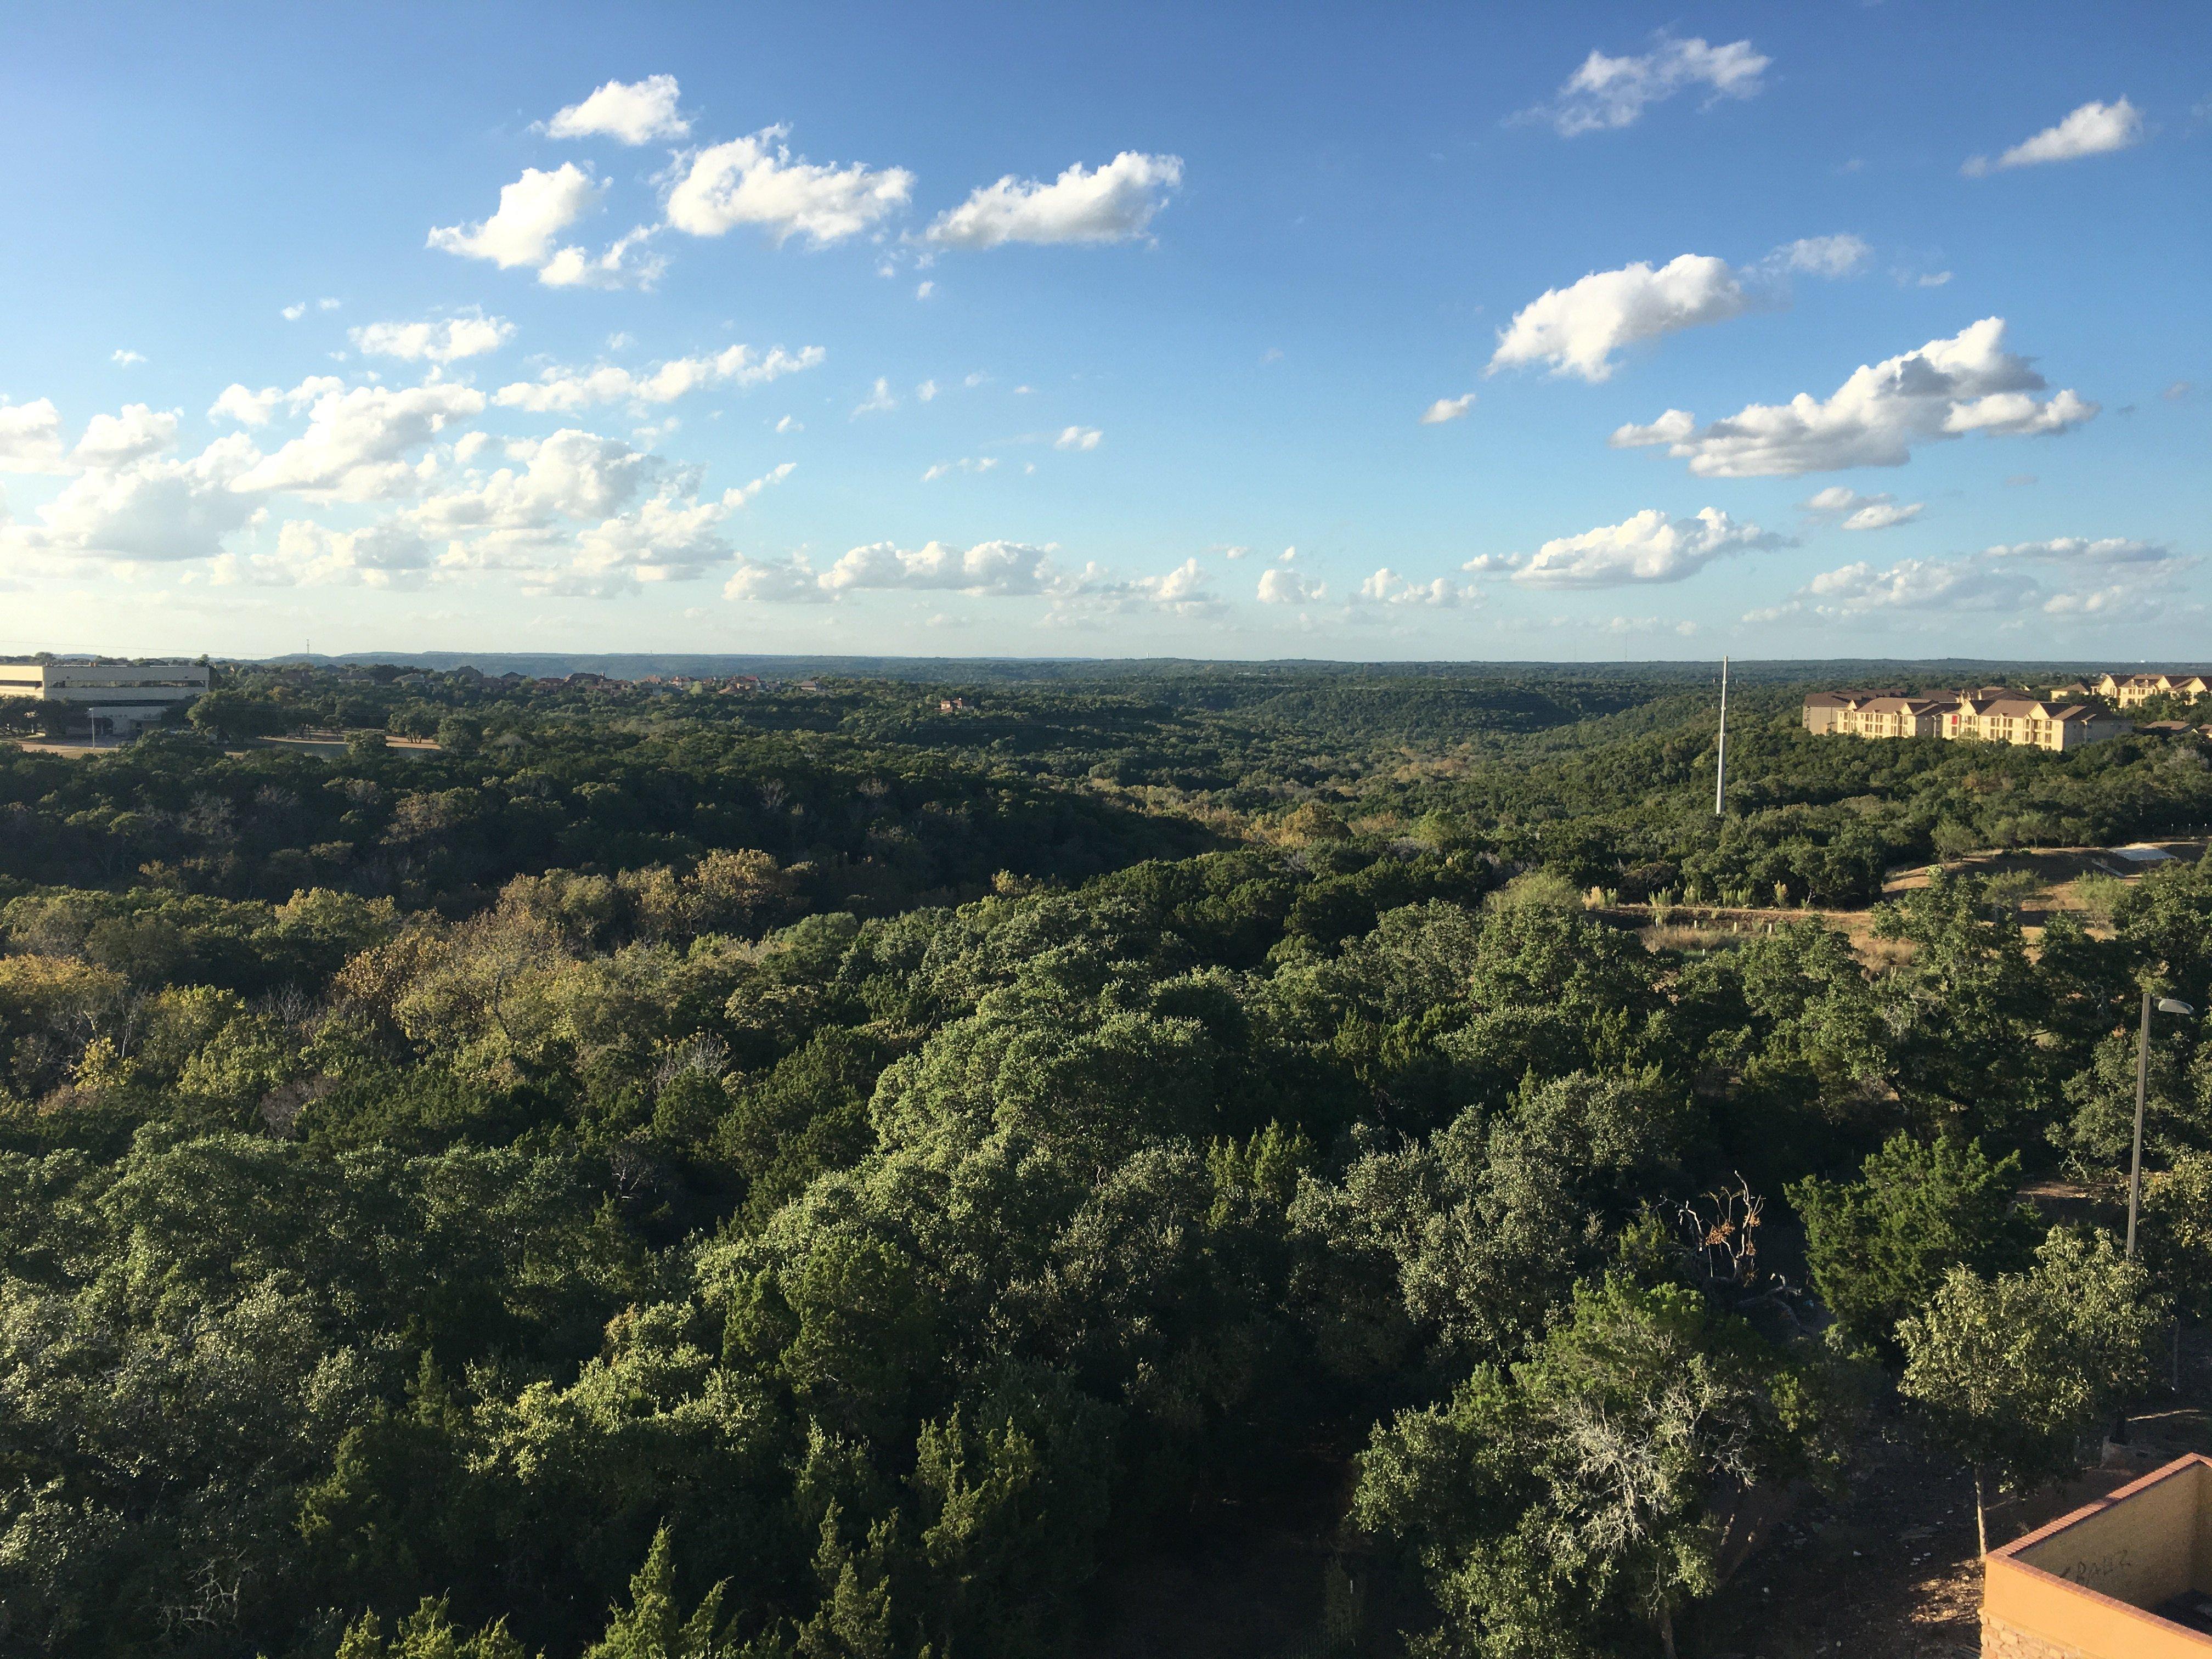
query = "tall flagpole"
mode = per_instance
[{"x": 1720, "y": 768}]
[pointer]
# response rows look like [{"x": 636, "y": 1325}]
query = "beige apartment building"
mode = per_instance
[
  {"x": 1875, "y": 714},
  {"x": 1990, "y": 714},
  {"x": 2132, "y": 690}
]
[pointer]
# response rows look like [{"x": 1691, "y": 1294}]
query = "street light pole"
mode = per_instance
[{"x": 2165, "y": 1005}]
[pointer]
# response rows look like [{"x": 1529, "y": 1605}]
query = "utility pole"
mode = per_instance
[{"x": 1720, "y": 762}]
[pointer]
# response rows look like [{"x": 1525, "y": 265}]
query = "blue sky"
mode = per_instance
[{"x": 1048, "y": 331}]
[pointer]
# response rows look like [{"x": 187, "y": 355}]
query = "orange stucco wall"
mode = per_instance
[{"x": 2082, "y": 1585}]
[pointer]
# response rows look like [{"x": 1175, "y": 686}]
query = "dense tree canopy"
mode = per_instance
[{"x": 815, "y": 1174}]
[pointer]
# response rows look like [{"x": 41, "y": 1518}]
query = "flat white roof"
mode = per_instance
[{"x": 2139, "y": 853}]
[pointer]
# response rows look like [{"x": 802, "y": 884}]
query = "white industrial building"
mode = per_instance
[{"x": 105, "y": 697}]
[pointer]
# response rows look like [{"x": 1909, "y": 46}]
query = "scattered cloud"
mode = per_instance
[
  {"x": 386, "y": 556},
  {"x": 1280, "y": 586},
  {"x": 1110, "y": 203},
  {"x": 357, "y": 443},
  {"x": 775, "y": 582},
  {"x": 1822, "y": 256},
  {"x": 249, "y": 408},
  {"x": 327, "y": 305},
  {"x": 149, "y": 510},
  {"x": 119, "y": 440},
  {"x": 30, "y": 437},
  {"x": 1387, "y": 586},
  {"x": 624, "y": 264},
  {"x": 124, "y": 358},
  {"x": 790, "y": 424},
  {"x": 1447, "y": 408},
  {"x": 533, "y": 212},
  {"x": 1079, "y": 437},
  {"x": 927, "y": 391},
  {"x": 1577, "y": 329},
  {"x": 1944, "y": 389},
  {"x": 1646, "y": 547},
  {"x": 923, "y": 290},
  {"x": 1606, "y": 94},
  {"x": 2177, "y": 391},
  {"x": 966, "y": 464},
  {"x": 632, "y": 113},
  {"x": 1931, "y": 279},
  {"x": 757, "y": 181},
  {"x": 2111, "y": 580},
  {"x": 879, "y": 399},
  {"x": 998, "y": 570},
  {"x": 2092, "y": 130},
  {"x": 564, "y": 390},
  {"x": 1839, "y": 503},
  {"x": 293, "y": 313},
  {"x": 450, "y": 341},
  {"x": 1182, "y": 591}
]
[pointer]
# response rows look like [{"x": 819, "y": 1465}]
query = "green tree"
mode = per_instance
[
  {"x": 654, "y": 1626},
  {"x": 2177, "y": 1232},
  {"x": 1558, "y": 1505},
  {"x": 1879, "y": 1246},
  {"x": 2010, "y": 1373}
]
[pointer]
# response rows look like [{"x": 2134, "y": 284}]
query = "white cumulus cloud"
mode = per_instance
[
  {"x": 1283, "y": 586},
  {"x": 1109, "y": 204},
  {"x": 151, "y": 510},
  {"x": 1645, "y": 547},
  {"x": 1079, "y": 437},
  {"x": 757, "y": 181},
  {"x": 533, "y": 212},
  {"x": 1577, "y": 329},
  {"x": 30, "y": 437},
  {"x": 631, "y": 112},
  {"x": 133, "y": 435},
  {"x": 997, "y": 569},
  {"x": 2092, "y": 130},
  {"x": 1968, "y": 383},
  {"x": 251, "y": 408},
  {"x": 444, "y": 342},
  {"x": 385, "y": 556},
  {"x": 357, "y": 443},
  {"x": 1387, "y": 586},
  {"x": 1447, "y": 408},
  {"x": 1607, "y": 93}
]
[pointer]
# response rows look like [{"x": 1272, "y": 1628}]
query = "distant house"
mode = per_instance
[{"x": 810, "y": 685}]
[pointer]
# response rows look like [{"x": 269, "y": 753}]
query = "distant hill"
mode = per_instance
[{"x": 1032, "y": 670}]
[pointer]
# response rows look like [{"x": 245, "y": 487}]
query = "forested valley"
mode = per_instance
[{"x": 859, "y": 1173}]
